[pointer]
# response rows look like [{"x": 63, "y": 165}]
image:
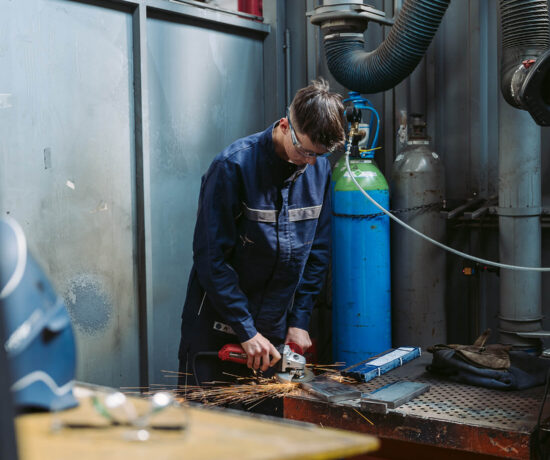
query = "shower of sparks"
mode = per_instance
[
  {"x": 331, "y": 373},
  {"x": 363, "y": 416},
  {"x": 248, "y": 391}
]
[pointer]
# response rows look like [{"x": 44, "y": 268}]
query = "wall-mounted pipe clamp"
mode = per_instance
[{"x": 351, "y": 17}]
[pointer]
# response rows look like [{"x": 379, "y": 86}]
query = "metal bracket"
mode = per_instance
[
  {"x": 480, "y": 206},
  {"x": 479, "y": 212},
  {"x": 472, "y": 202},
  {"x": 346, "y": 17}
]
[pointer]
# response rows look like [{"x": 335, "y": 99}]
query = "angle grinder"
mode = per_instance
[{"x": 290, "y": 368}]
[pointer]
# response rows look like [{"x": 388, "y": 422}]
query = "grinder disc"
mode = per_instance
[{"x": 287, "y": 377}]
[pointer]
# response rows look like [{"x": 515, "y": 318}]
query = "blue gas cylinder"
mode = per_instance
[{"x": 361, "y": 304}]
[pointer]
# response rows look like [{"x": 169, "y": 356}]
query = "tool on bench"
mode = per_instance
[{"x": 290, "y": 368}]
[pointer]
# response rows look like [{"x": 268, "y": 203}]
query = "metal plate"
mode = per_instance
[
  {"x": 66, "y": 167},
  {"x": 330, "y": 390},
  {"x": 205, "y": 91}
]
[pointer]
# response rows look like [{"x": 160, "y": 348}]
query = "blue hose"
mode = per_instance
[{"x": 364, "y": 104}]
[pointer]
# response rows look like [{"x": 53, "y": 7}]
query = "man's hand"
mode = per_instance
[
  {"x": 299, "y": 336},
  {"x": 260, "y": 351}
]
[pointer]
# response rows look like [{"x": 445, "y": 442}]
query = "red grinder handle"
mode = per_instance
[
  {"x": 295, "y": 348},
  {"x": 234, "y": 353}
]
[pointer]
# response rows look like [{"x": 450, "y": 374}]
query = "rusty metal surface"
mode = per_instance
[{"x": 450, "y": 415}]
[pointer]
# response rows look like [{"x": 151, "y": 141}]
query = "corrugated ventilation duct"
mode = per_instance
[
  {"x": 394, "y": 59},
  {"x": 525, "y": 60}
]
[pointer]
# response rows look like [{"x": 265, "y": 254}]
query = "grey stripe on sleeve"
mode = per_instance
[
  {"x": 260, "y": 215},
  {"x": 312, "y": 212}
]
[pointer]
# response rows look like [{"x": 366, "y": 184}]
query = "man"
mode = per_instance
[{"x": 261, "y": 242}]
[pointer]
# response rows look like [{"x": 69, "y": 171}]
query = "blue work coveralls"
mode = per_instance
[{"x": 260, "y": 250}]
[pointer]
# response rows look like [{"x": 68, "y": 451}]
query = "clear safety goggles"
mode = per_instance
[{"x": 296, "y": 143}]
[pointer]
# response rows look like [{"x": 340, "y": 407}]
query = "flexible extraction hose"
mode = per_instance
[
  {"x": 395, "y": 58},
  {"x": 426, "y": 237},
  {"x": 525, "y": 36}
]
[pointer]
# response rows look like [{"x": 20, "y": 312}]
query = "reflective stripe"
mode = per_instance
[
  {"x": 260, "y": 215},
  {"x": 313, "y": 212}
]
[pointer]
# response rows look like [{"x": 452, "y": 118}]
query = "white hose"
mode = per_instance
[{"x": 431, "y": 240}]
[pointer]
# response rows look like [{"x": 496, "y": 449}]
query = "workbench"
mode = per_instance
[
  {"x": 449, "y": 421},
  {"x": 83, "y": 434}
]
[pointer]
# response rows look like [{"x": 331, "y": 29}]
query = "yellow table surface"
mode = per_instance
[{"x": 210, "y": 434}]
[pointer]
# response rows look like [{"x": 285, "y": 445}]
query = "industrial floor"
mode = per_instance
[{"x": 450, "y": 421}]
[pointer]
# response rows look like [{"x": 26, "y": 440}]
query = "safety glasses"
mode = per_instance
[{"x": 296, "y": 143}]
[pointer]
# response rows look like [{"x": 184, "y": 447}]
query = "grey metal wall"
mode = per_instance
[
  {"x": 110, "y": 112},
  {"x": 465, "y": 107},
  {"x": 67, "y": 165},
  {"x": 205, "y": 91},
  {"x": 463, "y": 117}
]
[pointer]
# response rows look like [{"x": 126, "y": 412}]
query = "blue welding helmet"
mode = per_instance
[{"x": 39, "y": 343}]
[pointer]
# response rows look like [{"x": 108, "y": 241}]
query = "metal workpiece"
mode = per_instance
[
  {"x": 519, "y": 225},
  {"x": 418, "y": 267},
  {"x": 392, "y": 395},
  {"x": 331, "y": 391}
]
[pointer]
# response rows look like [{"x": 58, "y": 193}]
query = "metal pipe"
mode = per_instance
[
  {"x": 288, "y": 68},
  {"x": 519, "y": 225}
]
